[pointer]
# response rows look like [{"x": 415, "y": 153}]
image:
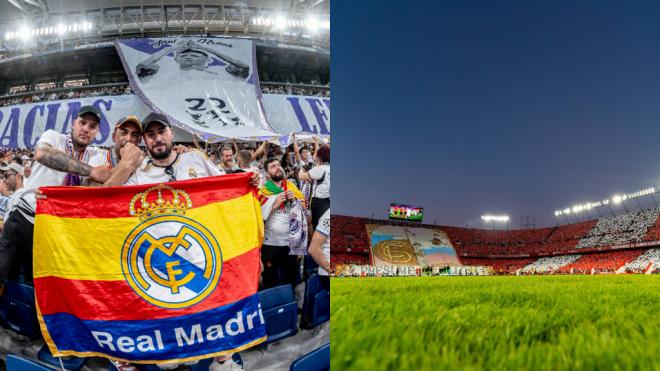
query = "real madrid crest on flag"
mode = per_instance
[
  {"x": 169, "y": 260},
  {"x": 150, "y": 274}
]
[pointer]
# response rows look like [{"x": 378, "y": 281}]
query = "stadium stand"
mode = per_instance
[
  {"x": 500, "y": 266},
  {"x": 583, "y": 247},
  {"x": 551, "y": 263},
  {"x": 620, "y": 229},
  {"x": 566, "y": 237},
  {"x": 601, "y": 262},
  {"x": 84, "y": 91},
  {"x": 642, "y": 262}
]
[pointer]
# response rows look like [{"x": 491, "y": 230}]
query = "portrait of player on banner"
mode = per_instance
[{"x": 191, "y": 60}]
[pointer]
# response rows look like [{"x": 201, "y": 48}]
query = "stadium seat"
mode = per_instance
[
  {"x": 316, "y": 360},
  {"x": 311, "y": 268},
  {"x": 280, "y": 312},
  {"x": 18, "y": 309},
  {"x": 16, "y": 363},
  {"x": 72, "y": 364},
  {"x": 316, "y": 305}
]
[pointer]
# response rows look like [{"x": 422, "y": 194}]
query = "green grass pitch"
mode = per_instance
[{"x": 496, "y": 323}]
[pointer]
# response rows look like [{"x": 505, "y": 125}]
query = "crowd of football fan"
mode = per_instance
[
  {"x": 293, "y": 183},
  {"x": 88, "y": 91},
  {"x": 73, "y": 93},
  {"x": 294, "y": 90}
]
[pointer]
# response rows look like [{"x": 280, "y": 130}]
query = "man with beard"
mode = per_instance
[
  {"x": 280, "y": 200},
  {"x": 126, "y": 138},
  {"x": 166, "y": 165},
  {"x": 227, "y": 164},
  {"x": 61, "y": 159}
]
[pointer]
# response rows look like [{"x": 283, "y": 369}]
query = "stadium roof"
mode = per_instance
[{"x": 12, "y": 10}]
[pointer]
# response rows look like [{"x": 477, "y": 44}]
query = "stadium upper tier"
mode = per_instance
[
  {"x": 284, "y": 69},
  {"x": 33, "y": 25},
  {"x": 605, "y": 244},
  {"x": 82, "y": 91}
]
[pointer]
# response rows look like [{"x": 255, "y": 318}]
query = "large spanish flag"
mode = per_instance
[{"x": 152, "y": 273}]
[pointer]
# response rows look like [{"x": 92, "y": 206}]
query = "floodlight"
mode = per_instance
[
  {"x": 616, "y": 199},
  {"x": 24, "y": 32},
  {"x": 280, "y": 22}
]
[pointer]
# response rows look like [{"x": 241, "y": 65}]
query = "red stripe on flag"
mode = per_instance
[
  {"x": 113, "y": 202},
  {"x": 116, "y": 300}
]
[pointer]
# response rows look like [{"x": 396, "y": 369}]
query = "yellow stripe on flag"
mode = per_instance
[{"x": 90, "y": 248}]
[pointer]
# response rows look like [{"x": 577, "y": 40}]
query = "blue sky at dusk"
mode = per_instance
[{"x": 473, "y": 107}]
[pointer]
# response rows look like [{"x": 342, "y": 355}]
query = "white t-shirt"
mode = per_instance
[
  {"x": 322, "y": 190},
  {"x": 276, "y": 225},
  {"x": 100, "y": 159},
  {"x": 302, "y": 162},
  {"x": 43, "y": 176},
  {"x": 188, "y": 165},
  {"x": 324, "y": 228}
]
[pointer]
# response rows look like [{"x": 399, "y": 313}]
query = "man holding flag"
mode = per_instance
[
  {"x": 283, "y": 210},
  {"x": 61, "y": 159},
  {"x": 167, "y": 165}
]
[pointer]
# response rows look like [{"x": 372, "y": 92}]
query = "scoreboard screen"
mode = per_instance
[{"x": 406, "y": 212}]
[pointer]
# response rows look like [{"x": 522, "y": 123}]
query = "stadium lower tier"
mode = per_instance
[
  {"x": 626, "y": 261},
  {"x": 618, "y": 244}
]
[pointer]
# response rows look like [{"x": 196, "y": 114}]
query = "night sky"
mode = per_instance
[{"x": 474, "y": 107}]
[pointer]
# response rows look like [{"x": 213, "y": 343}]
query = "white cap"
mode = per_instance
[{"x": 13, "y": 166}]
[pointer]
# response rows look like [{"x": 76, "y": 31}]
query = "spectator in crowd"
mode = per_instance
[
  {"x": 303, "y": 155},
  {"x": 319, "y": 248},
  {"x": 13, "y": 176},
  {"x": 7, "y": 158},
  {"x": 62, "y": 159},
  {"x": 279, "y": 198},
  {"x": 319, "y": 175},
  {"x": 227, "y": 156},
  {"x": 126, "y": 138},
  {"x": 5, "y": 198}
]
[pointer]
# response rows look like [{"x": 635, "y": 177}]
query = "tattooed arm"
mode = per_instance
[{"x": 58, "y": 160}]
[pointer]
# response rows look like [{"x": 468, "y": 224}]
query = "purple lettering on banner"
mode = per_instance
[
  {"x": 327, "y": 102},
  {"x": 321, "y": 117},
  {"x": 51, "y": 121},
  {"x": 104, "y": 126},
  {"x": 29, "y": 125},
  {"x": 11, "y": 139},
  {"x": 300, "y": 115},
  {"x": 72, "y": 114}
]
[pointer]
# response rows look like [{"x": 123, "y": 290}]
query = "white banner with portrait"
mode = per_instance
[{"x": 204, "y": 85}]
